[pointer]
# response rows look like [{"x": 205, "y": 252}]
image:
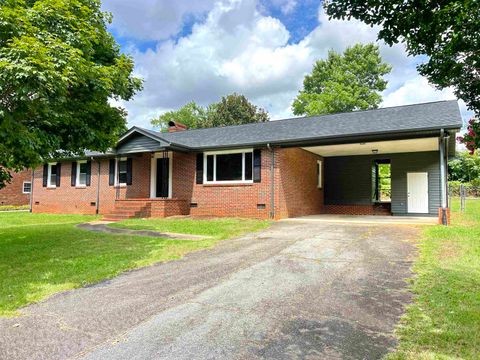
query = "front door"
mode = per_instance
[
  {"x": 162, "y": 177},
  {"x": 417, "y": 187}
]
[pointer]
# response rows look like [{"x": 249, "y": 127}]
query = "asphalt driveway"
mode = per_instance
[{"x": 296, "y": 291}]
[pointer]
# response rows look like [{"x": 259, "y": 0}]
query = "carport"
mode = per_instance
[{"x": 393, "y": 175}]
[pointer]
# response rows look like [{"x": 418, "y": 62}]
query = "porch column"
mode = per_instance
[{"x": 443, "y": 216}]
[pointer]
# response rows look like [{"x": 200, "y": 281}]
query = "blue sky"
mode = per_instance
[{"x": 202, "y": 50}]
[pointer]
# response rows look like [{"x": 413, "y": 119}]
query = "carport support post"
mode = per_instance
[{"x": 443, "y": 178}]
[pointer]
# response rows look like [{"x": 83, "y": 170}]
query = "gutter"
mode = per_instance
[
  {"x": 31, "y": 190},
  {"x": 97, "y": 201},
  {"x": 272, "y": 181}
]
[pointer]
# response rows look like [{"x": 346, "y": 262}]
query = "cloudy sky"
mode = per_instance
[{"x": 202, "y": 50}]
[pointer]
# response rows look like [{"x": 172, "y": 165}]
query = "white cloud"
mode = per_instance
[
  {"x": 238, "y": 48},
  {"x": 153, "y": 19}
]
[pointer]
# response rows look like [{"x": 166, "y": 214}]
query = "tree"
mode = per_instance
[
  {"x": 59, "y": 68},
  {"x": 464, "y": 167},
  {"x": 343, "y": 82},
  {"x": 192, "y": 115},
  {"x": 232, "y": 109},
  {"x": 235, "y": 109},
  {"x": 471, "y": 139},
  {"x": 448, "y": 32}
]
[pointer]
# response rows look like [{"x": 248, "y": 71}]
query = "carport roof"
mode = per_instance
[{"x": 392, "y": 120}]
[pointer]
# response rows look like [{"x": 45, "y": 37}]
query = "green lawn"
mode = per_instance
[
  {"x": 219, "y": 228},
  {"x": 41, "y": 254},
  {"x": 444, "y": 321}
]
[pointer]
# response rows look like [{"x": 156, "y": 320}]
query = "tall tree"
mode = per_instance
[
  {"x": 59, "y": 69},
  {"x": 343, "y": 82},
  {"x": 192, "y": 115},
  {"x": 448, "y": 32},
  {"x": 233, "y": 109},
  {"x": 464, "y": 167}
]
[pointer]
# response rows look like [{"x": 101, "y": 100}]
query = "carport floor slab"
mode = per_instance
[
  {"x": 366, "y": 219},
  {"x": 294, "y": 291}
]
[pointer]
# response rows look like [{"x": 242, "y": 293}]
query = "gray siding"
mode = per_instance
[
  {"x": 138, "y": 143},
  {"x": 348, "y": 179}
]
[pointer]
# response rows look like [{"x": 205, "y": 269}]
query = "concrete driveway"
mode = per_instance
[{"x": 300, "y": 290}]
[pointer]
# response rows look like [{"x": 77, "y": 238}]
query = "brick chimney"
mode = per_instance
[{"x": 174, "y": 126}]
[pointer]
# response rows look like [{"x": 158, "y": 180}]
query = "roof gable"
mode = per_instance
[{"x": 138, "y": 140}]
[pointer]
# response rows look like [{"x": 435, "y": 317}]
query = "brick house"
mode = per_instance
[
  {"x": 17, "y": 192},
  {"x": 277, "y": 169}
]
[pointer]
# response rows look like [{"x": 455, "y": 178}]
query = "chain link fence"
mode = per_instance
[{"x": 461, "y": 195}]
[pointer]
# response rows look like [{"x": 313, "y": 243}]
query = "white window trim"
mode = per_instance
[
  {"x": 49, "y": 173},
  {"x": 153, "y": 175},
  {"x": 117, "y": 174},
  {"x": 320, "y": 174},
  {"x": 23, "y": 187},
  {"x": 77, "y": 180},
  {"x": 223, "y": 152}
]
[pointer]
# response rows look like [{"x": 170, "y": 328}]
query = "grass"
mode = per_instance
[
  {"x": 42, "y": 254},
  {"x": 218, "y": 228},
  {"x": 444, "y": 320},
  {"x": 14, "y": 207}
]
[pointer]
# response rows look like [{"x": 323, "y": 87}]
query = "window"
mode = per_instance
[
  {"x": 319, "y": 174},
  {"x": 52, "y": 175},
  {"x": 82, "y": 173},
  {"x": 229, "y": 167},
  {"x": 122, "y": 171},
  {"x": 27, "y": 187}
]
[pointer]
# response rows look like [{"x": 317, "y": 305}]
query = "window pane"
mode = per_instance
[
  {"x": 82, "y": 176},
  {"x": 229, "y": 167},
  {"x": 122, "y": 171},
  {"x": 209, "y": 167},
  {"x": 27, "y": 187},
  {"x": 248, "y": 166},
  {"x": 122, "y": 178},
  {"x": 53, "y": 174},
  {"x": 122, "y": 166}
]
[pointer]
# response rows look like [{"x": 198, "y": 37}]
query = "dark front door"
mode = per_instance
[{"x": 162, "y": 177}]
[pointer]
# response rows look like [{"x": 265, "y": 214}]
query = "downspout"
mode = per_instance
[
  {"x": 272, "y": 181},
  {"x": 443, "y": 194},
  {"x": 97, "y": 202},
  {"x": 31, "y": 190}
]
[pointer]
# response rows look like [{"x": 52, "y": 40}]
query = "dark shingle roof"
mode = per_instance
[{"x": 408, "y": 118}]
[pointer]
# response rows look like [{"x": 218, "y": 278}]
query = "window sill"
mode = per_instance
[
  {"x": 120, "y": 186},
  {"x": 51, "y": 187},
  {"x": 229, "y": 184},
  {"x": 81, "y": 187}
]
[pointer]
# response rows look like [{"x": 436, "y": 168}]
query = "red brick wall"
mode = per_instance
[
  {"x": 295, "y": 181},
  {"x": 296, "y": 191},
  {"x": 71, "y": 199},
  {"x": 223, "y": 200},
  {"x": 12, "y": 194},
  {"x": 296, "y": 184},
  {"x": 350, "y": 209}
]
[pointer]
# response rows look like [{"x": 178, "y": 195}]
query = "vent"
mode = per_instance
[
  {"x": 261, "y": 206},
  {"x": 37, "y": 202},
  {"x": 93, "y": 203},
  {"x": 193, "y": 205}
]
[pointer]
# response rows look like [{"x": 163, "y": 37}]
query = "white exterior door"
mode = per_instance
[{"x": 417, "y": 187}]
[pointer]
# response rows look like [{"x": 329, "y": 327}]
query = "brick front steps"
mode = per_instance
[{"x": 146, "y": 208}]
